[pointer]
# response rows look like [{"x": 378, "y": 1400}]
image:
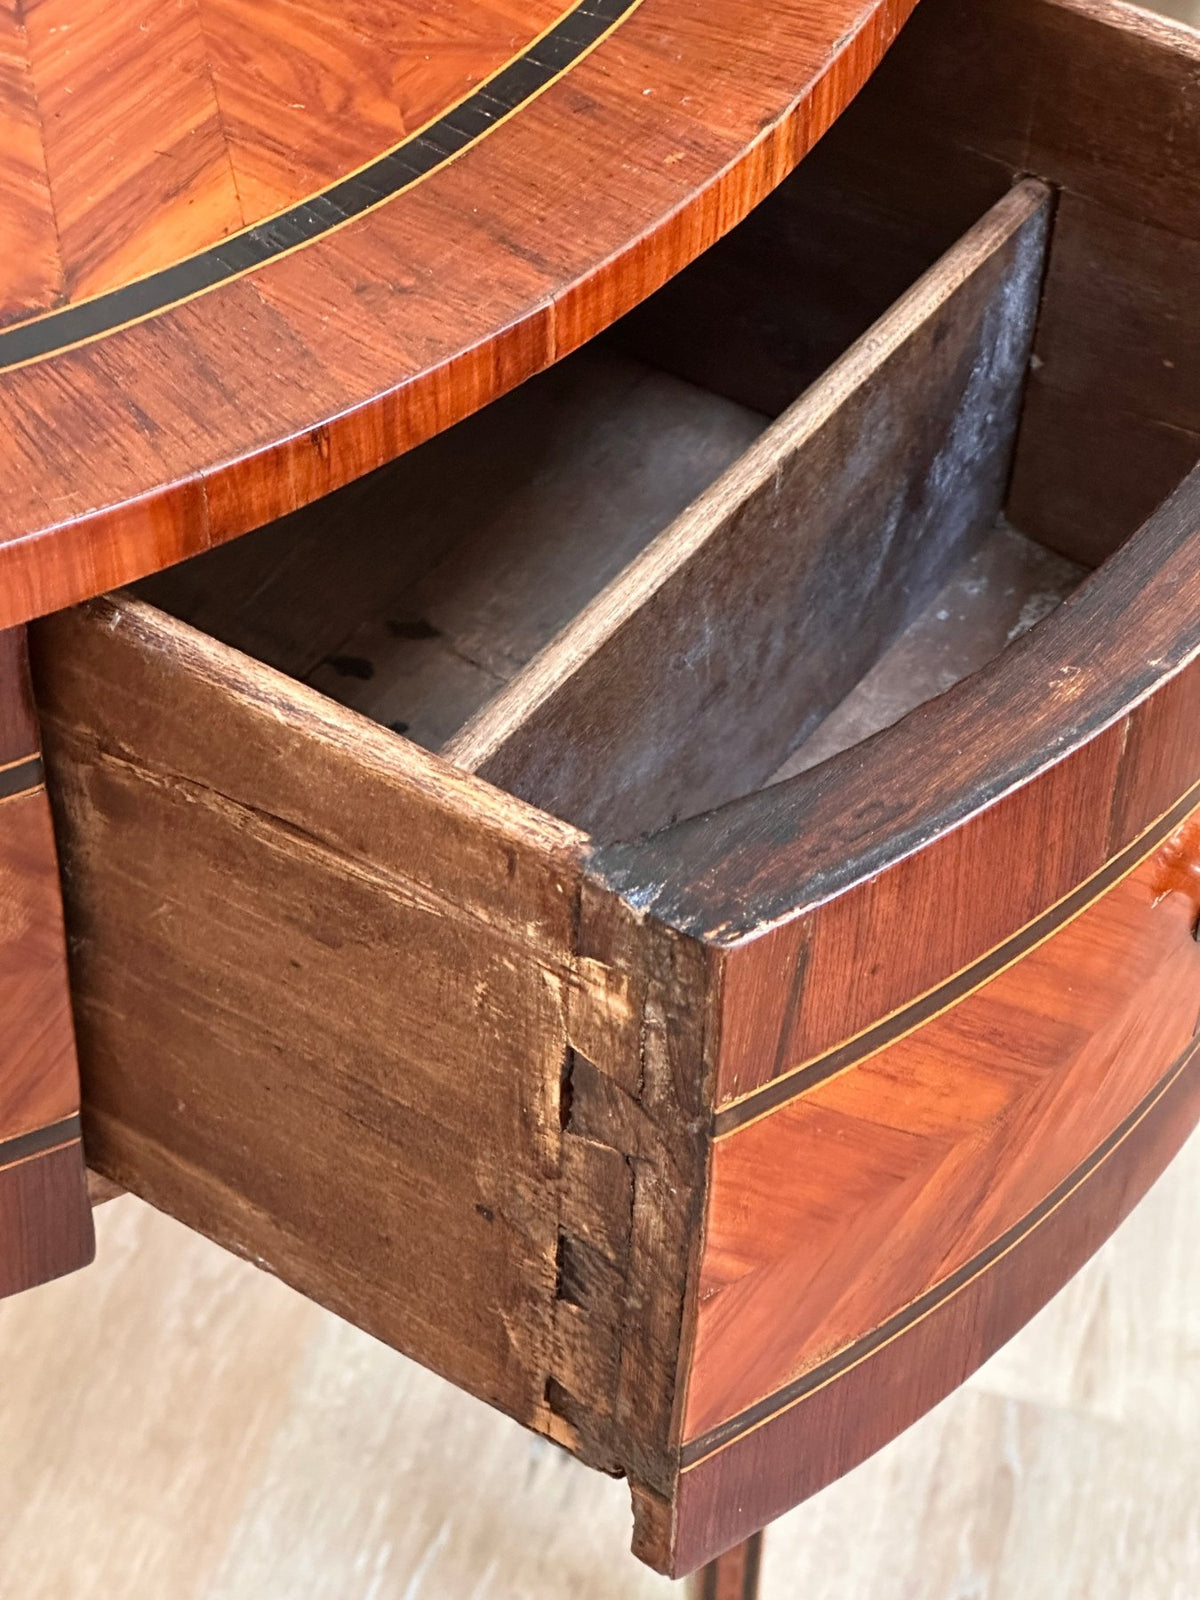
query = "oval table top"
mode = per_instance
[{"x": 258, "y": 247}]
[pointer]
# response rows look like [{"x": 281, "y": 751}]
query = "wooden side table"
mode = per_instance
[{"x": 458, "y": 926}]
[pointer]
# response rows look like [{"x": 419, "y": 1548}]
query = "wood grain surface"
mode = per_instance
[
  {"x": 330, "y": 992},
  {"x": 687, "y": 681},
  {"x": 873, "y": 1184},
  {"x": 382, "y": 1143},
  {"x": 471, "y": 552},
  {"x": 311, "y": 1458},
  {"x": 719, "y": 1155},
  {"x": 224, "y": 367},
  {"x": 45, "y": 1220},
  {"x": 766, "y": 1470},
  {"x": 1096, "y": 97},
  {"x": 821, "y": 866}
]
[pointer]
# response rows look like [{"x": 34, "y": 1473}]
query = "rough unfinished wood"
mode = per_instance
[
  {"x": 350, "y": 971},
  {"x": 414, "y": 597},
  {"x": 1099, "y": 98},
  {"x": 742, "y": 626},
  {"x": 991, "y": 600},
  {"x": 338, "y": 1011}
]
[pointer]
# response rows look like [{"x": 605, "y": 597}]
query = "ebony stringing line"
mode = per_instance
[
  {"x": 959, "y": 986},
  {"x": 21, "y": 778},
  {"x": 397, "y": 169},
  {"x": 39, "y": 1141},
  {"x": 783, "y": 1400}
]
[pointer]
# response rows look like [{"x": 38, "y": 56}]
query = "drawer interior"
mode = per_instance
[
  {"x": 627, "y": 595},
  {"x": 415, "y": 595},
  {"x": 815, "y": 480}
]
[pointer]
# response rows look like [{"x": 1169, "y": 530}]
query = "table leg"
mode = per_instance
[
  {"x": 45, "y": 1219},
  {"x": 733, "y": 1576}
]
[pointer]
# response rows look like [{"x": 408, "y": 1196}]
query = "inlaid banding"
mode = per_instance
[
  {"x": 779, "y": 1091},
  {"x": 784, "y": 1399},
  {"x": 410, "y": 161},
  {"x": 21, "y": 777},
  {"x": 39, "y": 1141}
]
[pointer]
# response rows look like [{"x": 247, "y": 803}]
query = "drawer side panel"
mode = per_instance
[{"x": 321, "y": 989}]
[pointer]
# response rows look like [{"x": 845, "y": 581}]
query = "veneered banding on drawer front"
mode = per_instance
[
  {"x": 45, "y": 1222},
  {"x": 855, "y": 1405},
  {"x": 872, "y": 1186}
]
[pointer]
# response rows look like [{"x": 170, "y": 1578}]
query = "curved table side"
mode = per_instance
[{"x": 269, "y": 391}]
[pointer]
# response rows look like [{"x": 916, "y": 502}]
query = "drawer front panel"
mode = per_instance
[
  {"x": 908, "y": 1369},
  {"x": 866, "y": 1237}
]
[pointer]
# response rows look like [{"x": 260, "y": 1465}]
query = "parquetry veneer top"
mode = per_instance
[{"x": 256, "y": 247}]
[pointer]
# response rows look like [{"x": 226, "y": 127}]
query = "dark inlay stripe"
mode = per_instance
[
  {"x": 421, "y": 154},
  {"x": 21, "y": 777},
  {"x": 780, "y": 1090},
  {"x": 41, "y": 1139},
  {"x": 829, "y": 1371}
]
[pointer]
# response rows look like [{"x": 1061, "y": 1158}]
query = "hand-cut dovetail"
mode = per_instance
[
  {"x": 570, "y": 1280},
  {"x": 566, "y": 1089}
]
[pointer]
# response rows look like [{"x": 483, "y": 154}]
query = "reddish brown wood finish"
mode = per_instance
[
  {"x": 155, "y": 129},
  {"x": 875, "y": 1184},
  {"x": 45, "y": 1220},
  {"x": 908, "y": 1370},
  {"x": 215, "y": 413}
]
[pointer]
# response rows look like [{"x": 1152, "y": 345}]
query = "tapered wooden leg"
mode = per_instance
[
  {"x": 45, "y": 1219},
  {"x": 733, "y": 1576}
]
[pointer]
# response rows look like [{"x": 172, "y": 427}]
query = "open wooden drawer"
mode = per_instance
[{"x": 713, "y": 1122}]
